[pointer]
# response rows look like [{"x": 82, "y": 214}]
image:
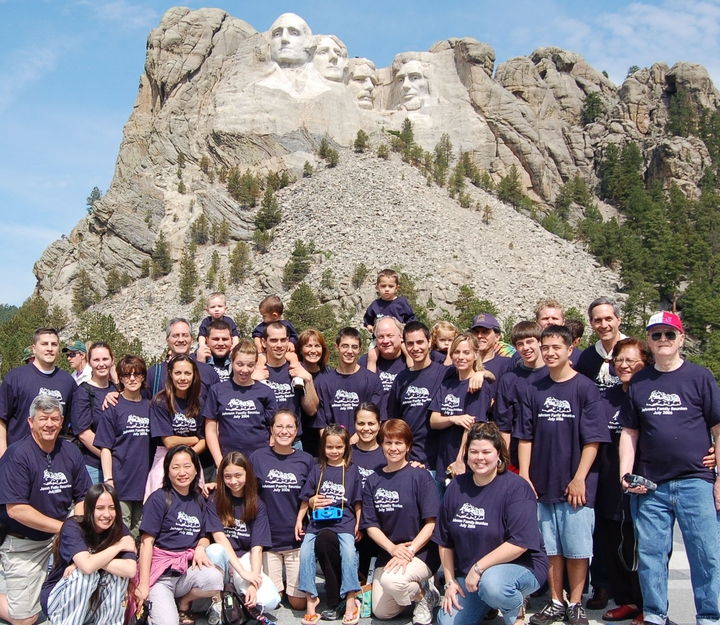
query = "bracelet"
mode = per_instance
[
  {"x": 109, "y": 480},
  {"x": 449, "y": 583},
  {"x": 411, "y": 549},
  {"x": 476, "y": 568}
]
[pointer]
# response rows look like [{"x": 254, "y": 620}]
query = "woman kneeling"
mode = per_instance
[
  {"x": 487, "y": 530},
  {"x": 94, "y": 558}
]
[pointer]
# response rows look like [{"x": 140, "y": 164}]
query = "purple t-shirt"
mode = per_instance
[
  {"x": 72, "y": 542},
  {"x": 499, "y": 366},
  {"x": 674, "y": 412},
  {"x": 50, "y": 483},
  {"x": 610, "y": 500},
  {"x": 87, "y": 414},
  {"x": 176, "y": 527},
  {"x": 475, "y": 520},
  {"x": 244, "y": 535},
  {"x": 409, "y": 400},
  {"x": 340, "y": 394},
  {"x": 589, "y": 363},
  {"x": 222, "y": 367},
  {"x": 560, "y": 418},
  {"x": 23, "y": 384},
  {"x": 398, "y": 308},
  {"x": 291, "y": 331},
  {"x": 387, "y": 371},
  {"x": 125, "y": 430},
  {"x": 510, "y": 391},
  {"x": 398, "y": 504},
  {"x": 437, "y": 356},
  {"x": 243, "y": 414},
  {"x": 280, "y": 381},
  {"x": 280, "y": 481},
  {"x": 453, "y": 398},
  {"x": 331, "y": 486},
  {"x": 208, "y": 377},
  {"x": 162, "y": 423},
  {"x": 203, "y": 330},
  {"x": 368, "y": 462}
]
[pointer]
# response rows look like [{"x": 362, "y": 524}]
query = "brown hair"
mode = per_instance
[
  {"x": 388, "y": 273},
  {"x": 223, "y": 498},
  {"x": 548, "y": 303},
  {"x": 488, "y": 432},
  {"x": 271, "y": 304},
  {"x": 335, "y": 430},
  {"x": 472, "y": 339},
  {"x": 645, "y": 353},
  {"x": 396, "y": 428},
  {"x": 99, "y": 345},
  {"x": 131, "y": 364},
  {"x": 244, "y": 346},
  {"x": 167, "y": 395},
  {"x": 305, "y": 337},
  {"x": 441, "y": 326}
]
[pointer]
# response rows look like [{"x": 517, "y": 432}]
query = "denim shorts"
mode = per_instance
[{"x": 566, "y": 531}]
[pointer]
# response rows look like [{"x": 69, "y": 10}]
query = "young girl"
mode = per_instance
[
  {"x": 454, "y": 409},
  {"x": 368, "y": 455},
  {"x": 441, "y": 337},
  {"x": 100, "y": 552},
  {"x": 333, "y": 483},
  {"x": 237, "y": 412},
  {"x": 238, "y": 521},
  {"x": 175, "y": 415},
  {"x": 124, "y": 439},
  {"x": 87, "y": 405}
]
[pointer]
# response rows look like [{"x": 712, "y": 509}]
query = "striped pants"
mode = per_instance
[{"x": 69, "y": 601}]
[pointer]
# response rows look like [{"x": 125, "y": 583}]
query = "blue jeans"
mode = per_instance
[
  {"x": 502, "y": 586},
  {"x": 691, "y": 502},
  {"x": 349, "y": 565},
  {"x": 96, "y": 475}
]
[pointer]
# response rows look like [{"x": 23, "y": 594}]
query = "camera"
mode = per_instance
[
  {"x": 638, "y": 480},
  {"x": 331, "y": 513}
]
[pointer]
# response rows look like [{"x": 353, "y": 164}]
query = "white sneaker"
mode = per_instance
[
  {"x": 214, "y": 614},
  {"x": 423, "y": 612}
]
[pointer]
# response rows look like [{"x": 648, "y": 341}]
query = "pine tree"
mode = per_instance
[
  {"x": 211, "y": 275},
  {"x": 205, "y": 164},
  {"x": 333, "y": 158},
  {"x": 200, "y": 230},
  {"x": 361, "y": 141},
  {"x": 188, "y": 279},
  {"x": 84, "y": 295},
  {"x": 223, "y": 233},
  {"x": 145, "y": 268},
  {"x": 324, "y": 148},
  {"x": 100, "y": 327},
  {"x": 592, "y": 108},
  {"x": 306, "y": 311},
  {"x": 383, "y": 151},
  {"x": 262, "y": 239},
  {"x": 94, "y": 196},
  {"x": 307, "y": 169},
  {"x": 359, "y": 275},
  {"x": 298, "y": 266},
  {"x": 240, "y": 263},
  {"x": 113, "y": 282},
  {"x": 270, "y": 213},
  {"x": 510, "y": 188},
  {"x": 162, "y": 263}
]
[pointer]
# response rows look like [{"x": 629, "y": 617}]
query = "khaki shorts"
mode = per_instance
[
  {"x": 25, "y": 565},
  {"x": 273, "y": 562}
]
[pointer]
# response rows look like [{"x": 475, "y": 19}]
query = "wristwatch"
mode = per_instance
[
  {"x": 476, "y": 568},
  {"x": 449, "y": 583}
]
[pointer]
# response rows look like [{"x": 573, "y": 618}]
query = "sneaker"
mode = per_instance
[
  {"x": 576, "y": 614},
  {"x": 334, "y": 614},
  {"x": 423, "y": 612},
  {"x": 214, "y": 614},
  {"x": 551, "y": 612}
]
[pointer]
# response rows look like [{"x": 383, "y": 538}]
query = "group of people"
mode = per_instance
[{"x": 447, "y": 458}]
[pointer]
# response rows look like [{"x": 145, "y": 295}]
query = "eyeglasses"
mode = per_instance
[
  {"x": 283, "y": 428},
  {"x": 670, "y": 335},
  {"x": 626, "y": 361},
  {"x": 132, "y": 374}
]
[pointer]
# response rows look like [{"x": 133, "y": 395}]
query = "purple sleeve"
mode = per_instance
[
  {"x": 292, "y": 332},
  {"x": 369, "y": 316},
  {"x": 321, "y": 420},
  {"x": 153, "y": 514},
  {"x": 311, "y": 484},
  {"x": 81, "y": 478},
  {"x": 441, "y": 534},
  {"x": 524, "y": 426},
  {"x": 160, "y": 420},
  {"x": 594, "y": 424},
  {"x": 202, "y": 330},
  {"x": 7, "y": 398},
  {"x": 105, "y": 435},
  {"x": 628, "y": 417},
  {"x": 258, "y": 331},
  {"x": 82, "y": 411},
  {"x": 521, "y": 524},
  {"x": 72, "y": 541},
  {"x": 407, "y": 314},
  {"x": 209, "y": 410},
  {"x": 212, "y": 520},
  {"x": 233, "y": 327},
  {"x": 429, "y": 500},
  {"x": 357, "y": 483},
  {"x": 377, "y": 393},
  {"x": 17, "y": 489},
  {"x": 368, "y": 518},
  {"x": 503, "y": 410},
  {"x": 261, "y": 536}
]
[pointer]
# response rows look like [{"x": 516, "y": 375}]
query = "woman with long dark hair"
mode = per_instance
[
  {"x": 93, "y": 560},
  {"x": 174, "y": 569},
  {"x": 238, "y": 520},
  {"x": 175, "y": 415}
]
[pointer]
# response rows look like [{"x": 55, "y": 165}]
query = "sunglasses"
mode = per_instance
[
  {"x": 132, "y": 374},
  {"x": 670, "y": 335}
]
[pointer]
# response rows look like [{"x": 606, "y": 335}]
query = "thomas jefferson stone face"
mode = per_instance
[
  {"x": 362, "y": 84},
  {"x": 290, "y": 41},
  {"x": 331, "y": 59},
  {"x": 414, "y": 85}
]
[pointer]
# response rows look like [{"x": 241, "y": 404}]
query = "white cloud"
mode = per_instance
[{"x": 123, "y": 14}]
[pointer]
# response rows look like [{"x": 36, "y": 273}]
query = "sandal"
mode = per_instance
[
  {"x": 185, "y": 617},
  {"x": 310, "y": 619},
  {"x": 352, "y": 618}
]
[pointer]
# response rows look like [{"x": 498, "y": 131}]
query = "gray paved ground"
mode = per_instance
[{"x": 682, "y": 609}]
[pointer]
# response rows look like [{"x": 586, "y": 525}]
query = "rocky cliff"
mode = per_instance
[{"x": 215, "y": 89}]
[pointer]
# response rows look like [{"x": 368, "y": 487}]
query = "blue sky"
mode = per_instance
[{"x": 69, "y": 73}]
